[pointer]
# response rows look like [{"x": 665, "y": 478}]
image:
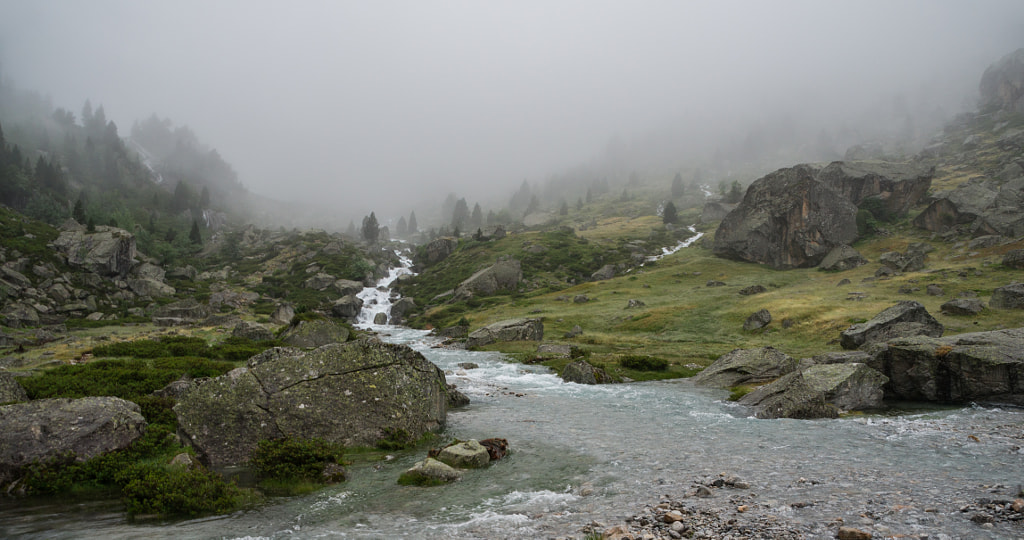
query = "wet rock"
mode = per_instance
[
  {"x": 752, "y": 290},
  {"x": 401, "y": 308},
  {"x": 380, "y": 318},
  {"x": 582, "y": 372},
  {"x": 848, "y": 386},
  {"x": 456, "y": 398},
  {"x": 354, "y": 393},
  {"x": 907, "y": 318},
  {"x": 747, "y": 366},
  {"x": 791, "y": 396},
  {"x": 429, "y": 472},
  {"x": 757, "y": 320},
  {"x": 1008, "y": 297},
  {"x": 963, "y": 307},
  {"x": 496, "y": 447},
  {"x": 347, "y": 307},
  {"x": 10, "y": 390},
  {"x": 504, "y": 275},
  {"x": 465, "y": 455},
  {"x": 252, "y": 331},
  {"x": 787, "y": 219},
  {"x": 48, "y": 428},
  {"x": 315, "y": 333},
  {"x": 508, "y": 330},
  {"x": 468, "y": 365}
]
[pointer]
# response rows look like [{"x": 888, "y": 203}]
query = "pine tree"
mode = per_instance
[
  {"x": 402, "y": 227},
  {"x": 79, "y": 212},
  {"x": 371, "y": 229},
  {"x": 351, "y": 230},
  {"x": 669, "y": 214},
  {"x": 194, "y": 235},
  {"x": 460, "y": 214},
  {"x": 412, "y": 224},
  {"x": 677, "y": 186},
  {"x": 564, "y": 209},
  {"x": 477, "y": 218}
]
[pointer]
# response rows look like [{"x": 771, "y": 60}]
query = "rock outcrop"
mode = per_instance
[
  {"x": 186, "y": 311},
  {"x": 1008, "y": 297},
  {"x": 347, "y": 307},
  {"x": 895, "y": 187},
  {"x": 849, "y": 386},
  {"x": 508, "y": 330},
  {"x": 356, "y": 393},
  {"x": 46, "y": 428},
  {"x": 787, "y": 219},
  {"x": 252, "y": 331},
  {"x": 504, "y": 275},
  {"x": 842, "y": 258},
  {"x": 582, "y": 372},
  {"x": 439, "y": 249},
  {"x": 10, "y": 390},
  {"x": 789, "y": 397},
  {"x": 981, "y": 207},
  {"x": 907, "y": 318},
  {"x": 315, "y": 333},
  {"x": 818, "y": 391},
  {"x": 1002, "y": 84},
  {"x": 978, "y": 366},
  {"x": 747, "y": 366},
  {"x": 108, "y": 252}
]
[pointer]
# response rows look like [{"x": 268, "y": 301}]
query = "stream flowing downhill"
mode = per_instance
[{"x": 581, "y": 454}]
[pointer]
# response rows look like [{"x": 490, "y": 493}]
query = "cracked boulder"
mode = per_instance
[{"x": 356, "y": 394}]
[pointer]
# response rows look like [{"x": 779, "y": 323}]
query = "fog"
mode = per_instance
[{"x": 389, "y": 106}]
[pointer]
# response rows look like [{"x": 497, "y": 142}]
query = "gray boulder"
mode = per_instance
[
  {"x": 1014, "y": 259},
  {"x": 47, "y": 428},
  {"x": 315, "y": 333},
  {"x": 150, "y": 287},
  {"x": 283, "y": 314},
  {"x": 605, "y": 272},
  {"x": 757, "y": 320},
  {"x": 907, "y": 318},
  {"x": 439, "y": 249},
  {"x": 347, "y": 307},
  {"x": 504, "y": 275},
  {"x": 715, "y": 211},
  {"x": 186, "y": 311},
  {"x": 429, "y": 472},
  {"x": 465, "y": 455},
  {"x": 508, "y": 330},
  {"x": 355, "y": 393},
  {"x": 849, "y": 386},
  {"x": 787, "y": 219},
  {"x": 320, "y": 281},
  {"x": 895, "y": 186},
  {"x": 19, "y": 314},
  {"x": 347, "y": 286},
  {"x": 963, "y": 307},
  {"x": 252, "y": 331},
  {"x": 789, "y": 397},
  {"x": 960, "y": 206},
  {"x": 10, "y": 390},
  {"x": 1002, "y": 84},
  {"x": 401, "y": 308},
  {"x": 842, "y": 258},
  {"x": 911, "y": 261},
  {"x": 109, "y": 251},
  {"x": 187, "y": 272},
  {"x": 1008, "y": 297},
  {"x": 380, "y": 318},
  {"x": 747, "y": 366},
  {"x": 979, "y": 366},
  {"x": 752, "y": 290},
  {"x": 581, "y": 372}
]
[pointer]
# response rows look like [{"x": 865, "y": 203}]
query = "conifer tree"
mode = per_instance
[
  {"x": 477, "y": 218},
  {"x": 371, "y": 229},
  {"x": 677, "y": 186},
  {"x": 413, "y": 229},
  {"x": 194, "y": 235},
  {"x": 669, "y": 214}
]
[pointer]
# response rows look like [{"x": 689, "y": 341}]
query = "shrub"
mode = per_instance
[
  {"x": 643, "y": 363},
  {"x": 737, "y": 392},
  {"x": 295, "y": 459},
  {"x": 177, "y": 491}
]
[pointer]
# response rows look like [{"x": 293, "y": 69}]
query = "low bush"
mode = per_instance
[
  {"x": 643, "y": 363},
  {"x": 289, "y": 459}
]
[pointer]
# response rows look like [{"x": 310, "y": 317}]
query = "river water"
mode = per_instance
[{"x": 584, "y": 453}]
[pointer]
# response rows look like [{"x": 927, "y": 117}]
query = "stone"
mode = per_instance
[
  {"x": 468, "y": 365},
  {"x": 319, "y": 282},
  {"x": 576, "y": 330},
  {"x": 430, "y": 471},
  {"x": 850, "y": 533},
  {"x": 1008, "y": 297},
  {"x": 252, "y": 331},
  {"x": 439, "y": 249},
  {"x": 582, "y": 372},
  {"x": 849, "y": 386},
  {"x": 148, "y": 271},
  {"x": 183, "y": 460},
  {"x": 178, "y": 388},
  {"x": 401, "y": 308},
  {"x": 1014, "y": 259},
  {"x": 348, "y": 287},
  {"x": 109, "y": 251},
  {"x": 757, "y": 320},
  {"x": 496, "y": 447},
  {"x": 150, "y": 287},
  {"x": 355, "y": 394},
  {"x": 503, "y": 276},
  {"x": 380, "y": 318},
  {"x": 19, "y": 315},
  {"x": 458, "y": 331},
  {"x": 841, "y": 357},
  {"x": 752, "y": 290},
  {"x": 903, "y": 262},
  {"x": 986, "y": 241},
  {"x": 48, "y": 428},
  {"x": 894, "y": 187},
  {"x": 963, "y": 307},
  {"x": 977, "y": 366},
  {"x": 465, "y": 455},
  {"x": 580, "y": 299},
  {"x": 10, "y": 390},
  {"x": 934, "y": 290},
  {"x": 554, "y": 349},
  {"x": 605, "y": 272},
  {"x": 507, "y": 330},
  {"x": 787, "y": 219},
  {"x": 186, "y": 311},
  {"x": 347, "y": 307},
  {"x": 1002, "y": 84},
  {"x": 790, "y": 396},
  {"x": 906, "y": 318},
  {"x": 456, "y": 398},
  {"x": 842, "y": 258},
  {"x": 315, "y": 333},
  {"x": 187, "y": 272},
  {"x": 715, "y": 211},
  {"x": 633, "y": 303},
  {"x": 746, "y": 366},
  {"x": 283, "y": 314},
  {"x": 714, "y": 283}
]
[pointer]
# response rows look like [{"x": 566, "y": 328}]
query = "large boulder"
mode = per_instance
[
  {"x": 356, "y": 394},
  {"x": 347, "y": 307},
  {"x": 907, "y": 318},
  {"x": 582, "y": 372},
  {"x": 10, "y": 390},
  {"x": 508, "y": 330},
  {"x": 747, "y": 366},
  {"x": 842, "y": 258},
  {"x": 150, "y": 287},
  {"x": 252, "y": 331},
  {"x": 465, "y": 455},
  {"x": 109, "y": 251},
  {"x": 320, "y": 281},
  {"x": 715, "y": 211},
  {"x": 789, "y": 397},
  {"x": 401, "y": 308},
  {"x": 1002, "y": 84},
  {"x": 504, "y": 275},
  {"x": 19, "y": 314},
  {"x": 347, "y": 286},
  {"x": 849, "y": 386},
  {"x": 1008, "y": 297},
  {"x": 895, "y": 187},
  {"x": 429, "y": 472},
  {"x": 979, "y": 366},
  {"x": 787, "y": 219},
  {"x": 605, "y": 272},
  {"x": 315, "y": 333},
  {"x": 984, "y": 207},
  {"x": 439, "y": 249},
  {"x": 186, "y": 311},
  {"x": 48, "y": 428},
  {"x": 282, "y": 314}
]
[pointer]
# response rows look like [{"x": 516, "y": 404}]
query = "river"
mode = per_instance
[{"x": 584, "y": 453}]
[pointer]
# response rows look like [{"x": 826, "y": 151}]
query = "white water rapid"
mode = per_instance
[{"x": 378, "y": 299}]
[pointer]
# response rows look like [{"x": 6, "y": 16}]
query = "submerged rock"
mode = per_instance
[
  {"x": 429, "y": 472},
  {"x": 465, "y": 455},
  {"x": 582, "y": 372}
]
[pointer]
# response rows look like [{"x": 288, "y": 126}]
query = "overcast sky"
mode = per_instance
[{"x": 379, "y": 105}]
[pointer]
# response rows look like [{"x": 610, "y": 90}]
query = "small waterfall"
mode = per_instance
[{"x": 378, "y": 299}]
